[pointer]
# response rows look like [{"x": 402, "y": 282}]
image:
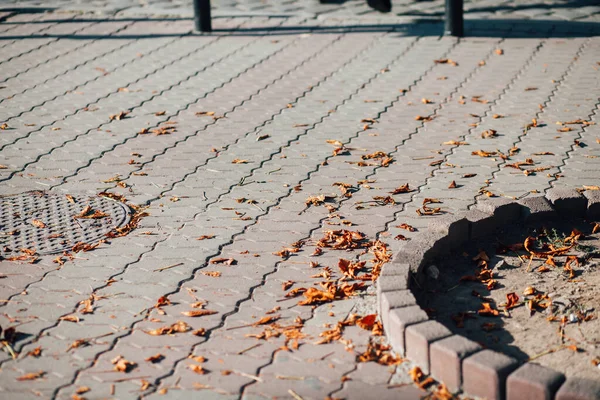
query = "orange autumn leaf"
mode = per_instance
[
  {"x": 529, "y": 290},
  {"x": 487, "y": 310},
  {"x": 568, "y": 265},
  {"x": 407, "y": 227},
  {"x": 82, "y": 389},
  {"x": 226, "y": 261},
  {"x": 596, "y": 227},
  {"x": 37, "y": 223},
  {"x": 205, "y": 237},
  {"x": 70, "y": 318},
  {"x": 295, "y": 292},
  {"x": 528, "y": 245},
  {"x": 367, "y": 322},
  {"x": 177, "y": 327},
  {"x": 31, "y": 376},
  {"x": 512, "y": 300},
  {"x": 214, "y": 274},
  {"x": 418, "y": 377},
  {"x": 316, "y": 296},
  {"x": 35, "y": 352},
  {"x": 446, "y": 61},
  {"x": 550, "y": 261},
  {"x": 122, "y": 365},
  {"x": 374, "y": 156},
  {"x": 266, "y": 320},
  {"x": 455, "y": 143},
  {"x": 197, "y": 369},
  {"x": 155, "y": 358},
  {"x": 482, "y": 153},
  {"x": 198, "y": 313}
]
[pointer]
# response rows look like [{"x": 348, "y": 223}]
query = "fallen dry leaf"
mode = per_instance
[
  {"x": 78, "y": 343},
  {"x": 455, "y": 143},
  {"x": 490, "y": 133},
  {"x": 266, "y": 320},
  {"x": 37, "y": 223},
  {"x": 452, "y": 185},
  {"x": 446, "y": 61},
  {"x": 402, "y": 189},
  {"x": 198, "y": 313},
  {"x": 214, "y": 274},
  {"x": 119, "y": 116},
  {"x": 70, "y": 318},
  {"x": 487, "y": 310},
  {"x": 529, "y": 290},
  {"x": 31, "y": 376},
  {"x": 82, "y": 389},
  {"x": 122, "y": 365},
  {"x": 421, "y": 118},
  {"x": 197, "y": 369},
  {"x": 512, "y": 300},
  {"x": 205, "y": 237},
  {"x": 177, "y": 327},
  {"x": 482, "y": 153},
  {"x": 35, "y": 352},
  {"x": 407, "y": 227},
  {"x": 226, "y": 261},
  {"x": 155, "y": 358},
  {"x": 367, "y": 322}
]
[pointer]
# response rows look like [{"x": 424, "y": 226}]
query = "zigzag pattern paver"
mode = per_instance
[{"x": 272, "y": 94}]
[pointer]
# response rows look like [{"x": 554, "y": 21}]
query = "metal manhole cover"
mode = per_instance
[{"x": 51, "y": 223}]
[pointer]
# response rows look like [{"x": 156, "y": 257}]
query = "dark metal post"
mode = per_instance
[
  {"x": 454, "y": 18},
  {"x": 202, "y": 15}
]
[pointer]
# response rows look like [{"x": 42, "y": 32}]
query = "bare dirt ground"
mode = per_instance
[{"x": 552, "y": 320}]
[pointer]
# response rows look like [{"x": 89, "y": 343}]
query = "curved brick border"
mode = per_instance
[{"x": 461, "y": 363}]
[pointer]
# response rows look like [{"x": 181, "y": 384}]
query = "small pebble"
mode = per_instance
[
  {"x": 573, "y": 318},
  {"x": 433, "y": 272}
]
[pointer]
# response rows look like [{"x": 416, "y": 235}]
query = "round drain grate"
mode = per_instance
[{"x": 51, "y": 223}]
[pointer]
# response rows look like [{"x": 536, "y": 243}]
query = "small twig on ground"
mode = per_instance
[
  {"x": 167, "y": 267},
  {"x": 249, "y": 348}
]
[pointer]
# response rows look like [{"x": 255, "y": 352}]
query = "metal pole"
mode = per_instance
[
  {"x": 454, "y": 18},
  {"x": 202, "y": 15}
]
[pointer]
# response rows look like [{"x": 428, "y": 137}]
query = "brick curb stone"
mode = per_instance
[{"x": 459, "y": 362}]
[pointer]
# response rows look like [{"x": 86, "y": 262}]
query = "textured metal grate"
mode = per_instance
[{"x": 46, "y": 222}]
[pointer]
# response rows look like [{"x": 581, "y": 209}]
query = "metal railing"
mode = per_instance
[{"x": 453, "y": 22}]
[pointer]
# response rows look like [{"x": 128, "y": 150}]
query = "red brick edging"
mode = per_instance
[{"x": 453, "y": 359}]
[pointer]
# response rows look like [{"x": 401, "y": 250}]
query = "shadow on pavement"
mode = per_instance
[{"x": 494, "y": 28}]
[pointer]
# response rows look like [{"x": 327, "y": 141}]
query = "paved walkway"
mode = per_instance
[{"x": 227, "y": 135}]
